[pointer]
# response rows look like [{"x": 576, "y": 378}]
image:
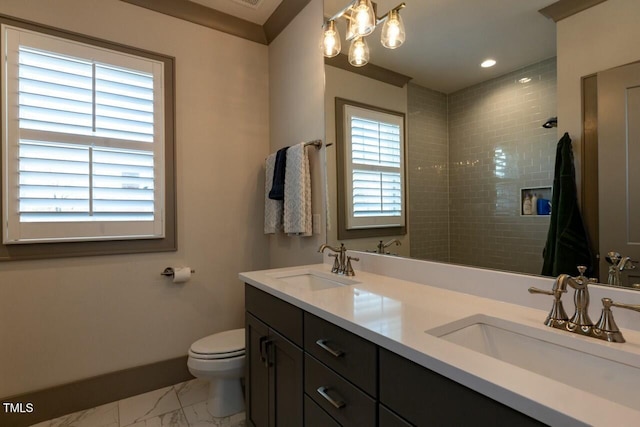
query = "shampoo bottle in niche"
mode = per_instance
[
  {"x": 526, "y": 205},
  {"x": 534, "y": 204}
]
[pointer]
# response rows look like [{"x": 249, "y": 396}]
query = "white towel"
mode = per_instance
[
  {"x": 297, "y": 192},
  {"x": 272, "y": 208}
]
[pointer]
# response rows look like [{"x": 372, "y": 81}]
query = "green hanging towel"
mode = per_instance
[{"x": 567, "y": 243}]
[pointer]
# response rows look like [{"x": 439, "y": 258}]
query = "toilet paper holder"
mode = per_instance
[{"x": 169, "y": 272}]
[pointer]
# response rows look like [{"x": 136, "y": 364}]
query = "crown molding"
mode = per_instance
[
  {"x": 566, "y": 8},
  {"x": 370, "y": 70},
  {"x": 214, "y": 19}
]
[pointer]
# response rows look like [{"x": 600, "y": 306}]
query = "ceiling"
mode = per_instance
[
  {"x": 256, "y": 11},
  {"x": 448, "y": 39}
]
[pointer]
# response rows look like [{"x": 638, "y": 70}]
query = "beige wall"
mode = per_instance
[
  {"x": 344, "y": 84},
  {"x": 66, "y": 319},
  {"x": 296, "y": 85},
  {"x": 599, "y": 38}
]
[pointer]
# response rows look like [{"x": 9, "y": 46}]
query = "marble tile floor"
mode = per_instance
[{"x": 181, "y": 405}]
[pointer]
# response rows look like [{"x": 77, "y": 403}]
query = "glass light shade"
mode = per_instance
[
  {"x": 330, "y": 40},
  {"x": 351, "y": 30},
  {"x": 363, "y": 18},
  {"x": 393, "y": 31},
  {"x": 358, "y": 52}
]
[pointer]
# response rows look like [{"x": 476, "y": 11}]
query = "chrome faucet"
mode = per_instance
[
  {"x": 342, "y": 262},
  {"x": 618, "y": 265},
  {"x": 383, "y": 246},
  {"x": 580, "y": 323}
]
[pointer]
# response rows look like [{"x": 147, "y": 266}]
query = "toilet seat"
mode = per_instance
[{"x": 223, "y": 345}]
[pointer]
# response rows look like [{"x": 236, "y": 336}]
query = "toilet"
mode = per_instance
[{"x": 219, "y": 358}]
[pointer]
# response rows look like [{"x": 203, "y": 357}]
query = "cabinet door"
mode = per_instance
[
  {"x": 425, "y": 398},
  {"x": 256, "y": 373},
  {"x": 285, "y": 378}
]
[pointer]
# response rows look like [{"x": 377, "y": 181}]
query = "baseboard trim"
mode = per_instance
[{"x": 84, "y": 394}]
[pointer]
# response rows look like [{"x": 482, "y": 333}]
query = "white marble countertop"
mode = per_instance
[{"x": 395, "y": 314}]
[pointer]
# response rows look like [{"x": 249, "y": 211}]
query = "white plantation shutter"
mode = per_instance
[
  {"x": 85, "y": 125},
  {"x": 375, "y": 168}
]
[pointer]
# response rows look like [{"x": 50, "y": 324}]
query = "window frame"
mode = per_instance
[
  {"x": 342, "y": 165},
  {"x": 107, "y": 247}
]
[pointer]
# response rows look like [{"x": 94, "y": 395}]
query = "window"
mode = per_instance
[
  {"x": 371, "y": 170},
  {"x": 88, "y": 142}
]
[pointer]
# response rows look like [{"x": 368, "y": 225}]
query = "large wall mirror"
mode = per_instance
[{"x": 477, "y": 154}]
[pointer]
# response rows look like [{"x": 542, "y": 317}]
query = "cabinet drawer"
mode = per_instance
[
  {"x": 441, "y": 400},
  {"x": 348, "y": 354},
  {"x": 342, "y": 400},
  {"x": 386, "y": 418},
  {"x": 314, "y": 416},
  {"x": 279, "y": 315}
]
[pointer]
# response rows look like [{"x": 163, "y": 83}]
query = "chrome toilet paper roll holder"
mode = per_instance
[{"x": 170, "y": 272}]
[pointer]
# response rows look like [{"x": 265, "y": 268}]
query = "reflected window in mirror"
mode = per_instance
[{"x": 371, "y": 168}]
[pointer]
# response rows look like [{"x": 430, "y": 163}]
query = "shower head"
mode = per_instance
[{"x": 551, "y": 123}]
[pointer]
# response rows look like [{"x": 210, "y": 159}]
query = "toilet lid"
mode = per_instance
[{"x": 221, "y": 345}]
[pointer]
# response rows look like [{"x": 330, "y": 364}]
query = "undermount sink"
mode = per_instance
[
  {"x": 313, "y": 280},
  {"x": 600, "y": 369}
]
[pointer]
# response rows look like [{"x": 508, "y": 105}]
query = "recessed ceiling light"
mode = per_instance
[
  {"x": 525, "y": 80},
  {"x": 488, "y": 63}
]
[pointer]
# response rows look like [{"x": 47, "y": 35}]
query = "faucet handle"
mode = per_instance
[
  {"x": 336, "y": 263},
  {"x": 348, "y": 270},
  {"x": 557, "y": 315},
  {"x": 582, "y": 269},
  {"x": 606, "y": 327},
  {"x": 634, "y": 307},
  {"x": 533, "y": 290}
]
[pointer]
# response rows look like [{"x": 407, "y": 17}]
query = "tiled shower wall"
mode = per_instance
[
  {"x": 496, "y": 147},
  {"x": 428, "y": 174}
]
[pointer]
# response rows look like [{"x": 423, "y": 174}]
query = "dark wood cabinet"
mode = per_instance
[
  {"x": 302, "y": 370},
  {"x": 274, "y": 364},
  {"x": 343, "y": 401},
  {"x": 386, "y": 418},
  {"x": 425, "y": 398},
  {"x": 349, "y": 355},
  {"x": 314, "y": 416},
  {"x": 256, "y": 373}
]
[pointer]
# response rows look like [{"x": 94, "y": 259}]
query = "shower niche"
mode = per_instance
[{"x": 535, "y": 201}]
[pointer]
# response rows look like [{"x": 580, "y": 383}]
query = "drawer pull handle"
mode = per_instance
[
  {"x": 338, "y": 404},
  {"x": 335, "y": 353}
]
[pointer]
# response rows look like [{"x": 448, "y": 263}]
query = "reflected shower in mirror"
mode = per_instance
[
  {"x": 479, "y": 161},
  {"x": 474, "y": 158}
]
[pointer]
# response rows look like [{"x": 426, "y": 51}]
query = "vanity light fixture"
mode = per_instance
[
  {"x": 488, "y": 63},
  {"x": 362, "y": 21}
]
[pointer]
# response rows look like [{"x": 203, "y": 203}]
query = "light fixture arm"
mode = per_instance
[
  {"x": 386, "y": 15},
  {"x": 341, "y": 13},
  {"x": 349, "y": 7}
]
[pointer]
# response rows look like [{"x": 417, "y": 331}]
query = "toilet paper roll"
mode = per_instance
[{"x": 181, "y": 274}]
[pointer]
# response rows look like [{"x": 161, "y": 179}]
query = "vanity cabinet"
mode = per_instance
[
  {"x": 423, "y": 397},
  {"x": 274, "y": 361},
  {"x": 305, "y": 371}
]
